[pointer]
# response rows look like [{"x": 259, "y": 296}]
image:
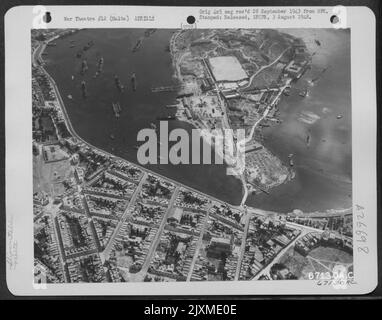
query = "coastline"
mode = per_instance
[
  {"x": 112, "y": 156},
  {"x": 72, "y": 131},
  {"x": 248, "y": 185}
]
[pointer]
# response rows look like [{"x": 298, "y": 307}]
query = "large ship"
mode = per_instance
[
  {"x": 320, "y": 75},
  {"x": 137, "y": 45},
  {"x": 100, "y": 67},
  {"x": 100, "y": 64},
  {"x": 118, "y": 83},
  {"x": 88, "y": 45},
  {"x": 84, "y": 67},
  {"x": 134, "y": 81},
  {"x": 149, "y": 32},
  {"x": 83, "y": 89},
  {"x": 116, "y": 109}
]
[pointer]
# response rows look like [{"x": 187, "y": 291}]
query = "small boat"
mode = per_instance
[
  {"x": 112, "y": 136},
  {"x": 72, "y": 77},
  {"x": 70, "y": 96},
  {"x": 339, "y": 116},
  {"x": 291, "y": 163}
]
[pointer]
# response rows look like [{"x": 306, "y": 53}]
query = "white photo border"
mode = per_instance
[{"x": 19, "y": 184}]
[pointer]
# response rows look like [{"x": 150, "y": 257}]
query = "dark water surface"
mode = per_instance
[{"x": 323, "y": 179}]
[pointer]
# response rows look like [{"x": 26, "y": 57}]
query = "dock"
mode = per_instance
[{"x": 166, "y": 88}]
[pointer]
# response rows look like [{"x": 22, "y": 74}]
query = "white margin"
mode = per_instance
[{"x": 19, "y": 217}]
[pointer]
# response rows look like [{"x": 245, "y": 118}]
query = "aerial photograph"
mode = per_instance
[{"x": 191, "y": 154}]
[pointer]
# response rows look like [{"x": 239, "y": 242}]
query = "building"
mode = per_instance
[
  {"x": 218, "y": 246},
  {"x": 227, "y": 69},
  {"x": 295, "y": 69},
  {"x": 176, "y": 215}
]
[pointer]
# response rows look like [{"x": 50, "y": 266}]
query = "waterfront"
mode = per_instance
[
  {"x": 93, "y": 119},
  {"x": 323, "y": 166}
]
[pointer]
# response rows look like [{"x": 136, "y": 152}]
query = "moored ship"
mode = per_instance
[
  {"x": 116, "y": 109},
  {"x": 118, "y": 83},
  {"x": 137, "y": 45},
  {"x": 88, "y": 45},
  {"x": 134, "y": 81},
  {"x": 83, "y": 88}
]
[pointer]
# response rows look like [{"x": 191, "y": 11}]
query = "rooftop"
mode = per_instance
[{"x": 227, "y": 68}]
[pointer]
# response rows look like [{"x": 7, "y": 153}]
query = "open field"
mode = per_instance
[{"x": 321, "y": 259}]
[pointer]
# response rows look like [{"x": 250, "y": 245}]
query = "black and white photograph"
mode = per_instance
[
  {"x": 222, "y": 150},
  {"x": 101, "y": 215}
]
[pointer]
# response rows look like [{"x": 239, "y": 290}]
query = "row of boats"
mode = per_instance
[
  {"x": 121, "y": 87},
  {"x": 85, "y": 67}
]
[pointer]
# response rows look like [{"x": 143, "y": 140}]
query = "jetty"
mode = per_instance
[{"x": 166, "y": 88}]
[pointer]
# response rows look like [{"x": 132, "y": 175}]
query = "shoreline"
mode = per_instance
[
  {"x": 112, "y": 156},
  {"x": 248, "y": 186}
]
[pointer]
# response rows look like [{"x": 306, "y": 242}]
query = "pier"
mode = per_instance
[{"x": 166, "y": 88}]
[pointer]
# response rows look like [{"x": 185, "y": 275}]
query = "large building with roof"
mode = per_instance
[{"x": 227, "y": 69}]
